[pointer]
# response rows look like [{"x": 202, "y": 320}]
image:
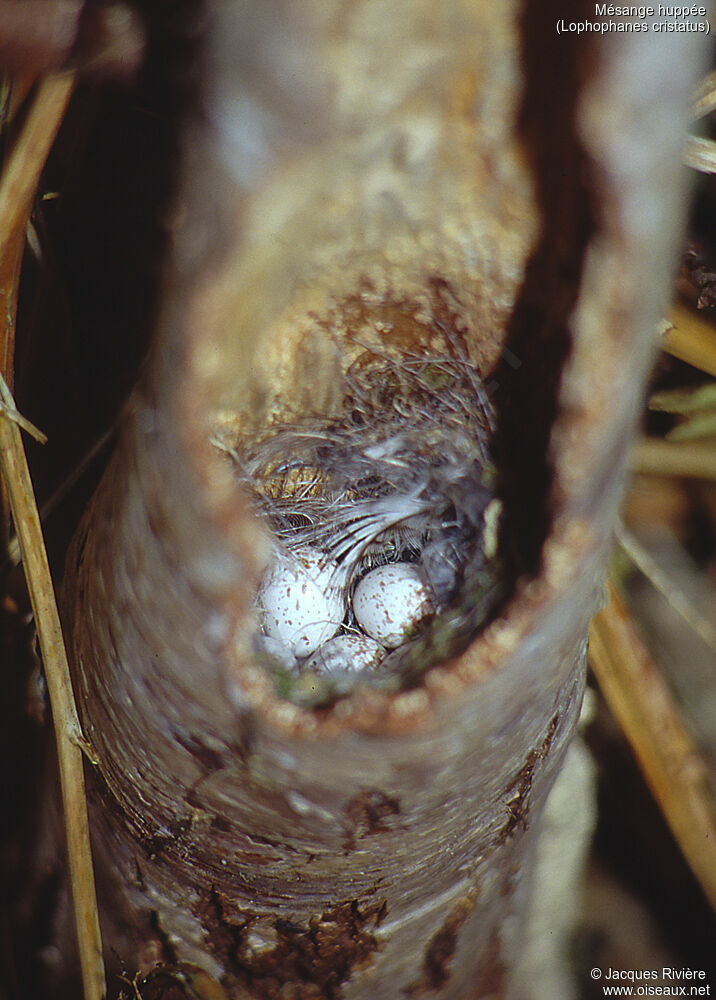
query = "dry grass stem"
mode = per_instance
[
  {"x": 658, "y": 501},
  {"x": 696, "y": 428},
  {"x": 692, "y": 339},
  {"x": 695, "y": 408},
  {"x": 690, "y": 459},
  {"x": 12, "y": 414},
  {"x": 685, "y": 401},
  {"x": 645, "y": 710},
  {"x": 67, "y": 729},
  {"x": 705, "y": 97},
  {"x": 18, "y": 187},
  {"x": 700, "y": 154},
  {"x": 644, "y": 562},
  {"x": 13, "y": 556}
]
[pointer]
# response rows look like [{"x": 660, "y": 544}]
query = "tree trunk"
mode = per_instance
[{"x": 406, "y": 175}]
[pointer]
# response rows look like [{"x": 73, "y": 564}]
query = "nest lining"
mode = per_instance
[{"x": 402, "y": 473}]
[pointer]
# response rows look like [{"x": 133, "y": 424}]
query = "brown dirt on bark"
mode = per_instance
[
  {"x": 441, "y": 949},
  {"x": 491, "y": 979},
  {"x": 370, "y": 813},
  {"x": 291, "y": 963},
  {"x": 175, "y": 982},
  {"x": 522, "y": 785}
]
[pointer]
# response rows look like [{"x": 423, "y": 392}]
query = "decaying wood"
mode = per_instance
[{"x": 390, "y": 175}]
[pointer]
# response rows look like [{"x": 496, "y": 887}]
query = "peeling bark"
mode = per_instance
[{"x": 381, "y": 847}]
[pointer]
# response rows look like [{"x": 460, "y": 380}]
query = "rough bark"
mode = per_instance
[{"x": 382, "y": 847}]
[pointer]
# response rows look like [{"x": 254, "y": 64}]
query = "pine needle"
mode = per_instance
[{"x": 641, "y": 703}]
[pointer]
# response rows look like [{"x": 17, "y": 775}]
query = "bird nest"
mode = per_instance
[{"x": 389, "y": 509}]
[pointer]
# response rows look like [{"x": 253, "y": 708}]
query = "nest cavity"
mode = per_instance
[{"x": 402, "y": 473}]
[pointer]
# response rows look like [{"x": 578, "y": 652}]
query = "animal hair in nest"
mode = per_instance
[{"x": 402, "y": 472}]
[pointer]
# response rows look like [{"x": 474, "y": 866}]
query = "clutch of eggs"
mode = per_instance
[{"x": 302, "y": 605}]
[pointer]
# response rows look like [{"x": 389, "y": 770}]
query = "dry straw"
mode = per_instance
[{"x": 17, "y": 191}]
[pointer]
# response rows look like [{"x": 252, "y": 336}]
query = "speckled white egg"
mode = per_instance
[
  {"x": 349, "y": 653},
  {"x": 390, "y": 601},
  {"x": 300, "y": 607}
]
